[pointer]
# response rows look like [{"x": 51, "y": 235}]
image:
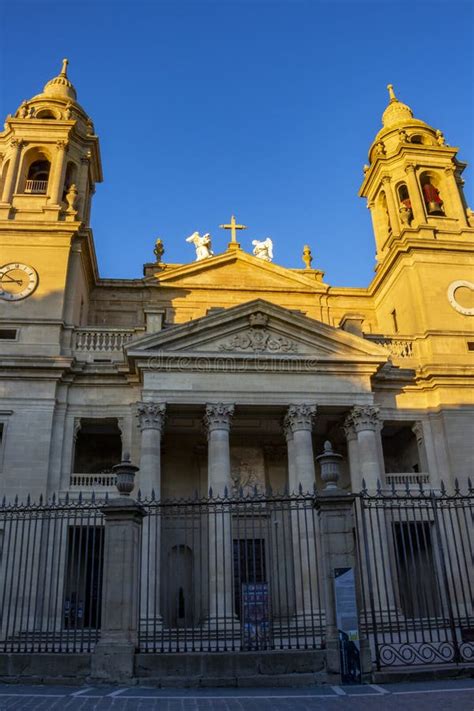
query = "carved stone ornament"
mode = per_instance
[
  {"x": 259, "y": 340},
  {"x": 417, "y": 430},
  {"x": 218, "y": 416},
  {"x": 362, "y": 418},
  {"x": 258, "y": 319},
  {"x": 247, "y": 471},
  {"x": 300, "y": 417},
  {"x": 151, "y": 415}
]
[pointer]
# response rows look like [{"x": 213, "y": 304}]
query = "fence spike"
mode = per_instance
[
  {"x": 93, "y": 496},
  {"x": 420, "y": 484},
  {"x": 364, "y": 486},
  {"x": 4, "y": 501},
  {"x": 379, "y": 487},
  {"x": 80, "y": 497},
  {"x": 153, "y": 495},
  {"x": 53, "y": 498},
  {"x": 139, "y": 495},
  {"x": 300, "y": 488},
  {"x": 106, "y": 495},
  {"x": 255, "y": 490},
  {"x": 469, "y": 484},
  {"x": 443, "y": 487},
  {"x": 407, "y": 487},
  {"x": 456, "y": 486},
  {"x": 241, "y": 491},
  {"x": 67, "y": 497},
  {"x": 16, "y": 500},
  {"x": 226, "y": 492},
  {"x": 210, "y": 492},
  {"x": 394, "y": 493},
  {"x": 28, "y": 500}
]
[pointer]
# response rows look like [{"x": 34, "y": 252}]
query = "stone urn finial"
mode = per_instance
[
  {"x": 125, "y": 472},
  {"x": 330, "y": 464}
]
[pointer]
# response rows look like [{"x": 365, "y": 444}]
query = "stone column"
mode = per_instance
[
  {"x": 298, "y": 425},
  {"x": 113, "y": 659},
  {"x": 151, "y": 418},
  {"x": 365, "y": 421},
  {"x": 299, "y": 419},
  {"x": 12, "y": 172},
  {"x": 217, "y": 421},
  {"x": 417, "y": 204},
  {"x": 391, "y": 207},
  {"x": 58, "y": 171},
  {"x": 335, "y": 513},
  {"x": 353, "y": 454}
]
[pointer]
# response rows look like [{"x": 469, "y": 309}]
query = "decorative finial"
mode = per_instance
[
  {"x": 63, "y": 72},
  {"x": 307, "y": 258},
  {"x": 391, "y": 92},
  {"x": 159, "y": 250}
]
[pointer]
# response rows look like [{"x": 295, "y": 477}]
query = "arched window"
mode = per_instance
[
  {"x": 431, "y": 195},
  {"x": 45, "y": 114},
  {"x": 405, "y": 208},
  {"x": 37, "y": 176},
  {"x": 416, "y": 139}
]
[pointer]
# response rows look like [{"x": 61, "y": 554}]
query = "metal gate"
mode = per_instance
[{"x": 417, "y": 572}]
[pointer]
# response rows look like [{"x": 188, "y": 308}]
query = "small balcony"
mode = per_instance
[
  {"x": 93, "y": 481},
  {"x": 36, "y": 187},
  {"x": 400, "y": 481}
]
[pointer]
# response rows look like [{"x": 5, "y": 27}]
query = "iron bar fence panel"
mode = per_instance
[
  {"x": 51, "y": 561},
  {"x": 415, "y": 551},
  {"x": 231, "y": 574}
]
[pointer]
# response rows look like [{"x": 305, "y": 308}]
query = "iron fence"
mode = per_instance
[
  {"x": 231, "y": 574},
  {"x": 417, "y": 575},
  {"x": 51, "y": 558}
]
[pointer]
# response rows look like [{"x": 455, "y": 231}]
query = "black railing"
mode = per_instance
[
  {"x": 417, "y": 575},
  {"x": 50, "y": 575},
  {"x": 232, "y": 574}
]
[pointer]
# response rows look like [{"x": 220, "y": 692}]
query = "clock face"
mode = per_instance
[{"x": 17, "y": 281}]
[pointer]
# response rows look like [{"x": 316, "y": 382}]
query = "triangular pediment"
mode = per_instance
[
  {"x": 236, "y": 269},
  {"x": 259, "y": 329}
]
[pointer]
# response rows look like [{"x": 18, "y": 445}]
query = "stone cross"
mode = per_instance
[{"x": 233, "y": 227}]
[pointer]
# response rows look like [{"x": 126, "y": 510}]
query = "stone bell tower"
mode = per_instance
[
  {"x": 413, "y": 182},
  {"x": 51, "y": 158},
  {"x": 49, "y": 165}
]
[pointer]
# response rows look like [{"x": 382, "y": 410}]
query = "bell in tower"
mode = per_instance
[
  {"x": 51, "y": 157},
  {"x": 413, "y": 181}
]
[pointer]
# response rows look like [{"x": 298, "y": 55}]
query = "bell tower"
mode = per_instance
[
  {"x": 49, "y": 165},
  {"x": 413, "y": 182},
  {"x": 51, "y": 158}
]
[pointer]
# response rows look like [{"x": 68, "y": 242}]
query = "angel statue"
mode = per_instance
[
  {"x": 202, "y": 245},
  {"x": 263, "y": 249}
]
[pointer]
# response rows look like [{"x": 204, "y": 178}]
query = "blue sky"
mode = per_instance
[{"x": 261, "y": 108}]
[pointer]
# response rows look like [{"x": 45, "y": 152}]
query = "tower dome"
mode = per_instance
[
  {"x": 396, "y": 112},
  {"x": 61, "y": 87}
]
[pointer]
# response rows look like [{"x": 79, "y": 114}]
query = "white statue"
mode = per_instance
[
  {"x": 202, "y": 245},
  {"x": 263, "y": 249}
]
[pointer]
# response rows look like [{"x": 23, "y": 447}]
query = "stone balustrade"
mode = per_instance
[
  {"x": 102, "y": 340},
  {"x": 90, "y": 481},
  {"x": 413, "y": 479},
  {"x": 399, "y": 347}
]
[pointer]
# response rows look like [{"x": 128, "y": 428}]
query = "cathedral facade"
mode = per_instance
[
  {"x": 93, "y": 366},
  {"x": 230, "y": 374}
]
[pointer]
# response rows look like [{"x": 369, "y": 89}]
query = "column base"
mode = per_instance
[{"x": 113, "y": 661}]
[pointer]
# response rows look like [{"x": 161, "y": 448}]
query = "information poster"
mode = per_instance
[
  {"x": 256, "y": 616},
  {"x": 347, "y": 624}
]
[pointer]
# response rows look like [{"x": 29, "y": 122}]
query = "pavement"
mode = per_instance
[{"x": 452, "y": 695}]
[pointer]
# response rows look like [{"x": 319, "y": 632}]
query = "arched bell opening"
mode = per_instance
[
  {"x": 34, "y": 175},
  {"x": 405, "y": 209},
  {"x": 430, "y": 188}
]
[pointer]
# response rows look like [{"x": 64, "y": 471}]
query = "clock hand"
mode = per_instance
[{"x": 5, "y": 277}]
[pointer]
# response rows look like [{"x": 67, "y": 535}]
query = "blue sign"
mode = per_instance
[{"x": 256, "y": 629}]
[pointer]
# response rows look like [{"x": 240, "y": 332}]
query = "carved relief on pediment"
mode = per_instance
[{"x": 259, "y": 340}]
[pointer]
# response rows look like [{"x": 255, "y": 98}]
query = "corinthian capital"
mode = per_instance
[
  {"x": 151, "y": 415},
  {"x": 300, "y": 417},
  {"x": 364, "y": 418},
  {"x": 218, "y": 416}
]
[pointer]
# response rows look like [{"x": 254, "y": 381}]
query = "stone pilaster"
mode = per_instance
[
  {"x": 12, "y": 172},
  {"x": 353, "y": 454},
  {"x": 58, "y": 172}
]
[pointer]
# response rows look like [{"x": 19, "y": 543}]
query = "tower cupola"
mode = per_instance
[
  {"x": 413, "y": 179},
  {"x": 51, "y": 157}
]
